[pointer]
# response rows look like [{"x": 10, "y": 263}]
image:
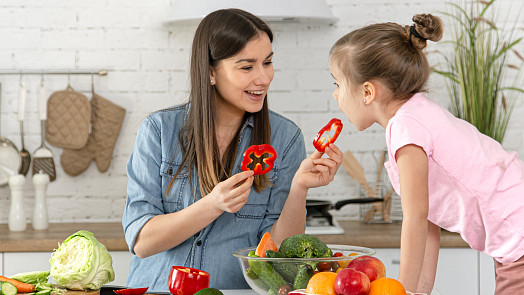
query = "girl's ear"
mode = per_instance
[
  {"x": 369, "y": 92},
  {"x": 212, "y": 75}
]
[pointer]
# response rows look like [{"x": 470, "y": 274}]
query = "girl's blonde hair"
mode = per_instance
[{"x": 390, "y": 53}]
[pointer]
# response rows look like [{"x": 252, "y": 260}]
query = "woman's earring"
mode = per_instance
[
  {"x": 365, "y": 101},
  {"x": 211, "y": 82}
]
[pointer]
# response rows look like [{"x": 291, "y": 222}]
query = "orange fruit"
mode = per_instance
[
  {"x": 386, "y": 286},
  {"x": 322, "y": 283}
]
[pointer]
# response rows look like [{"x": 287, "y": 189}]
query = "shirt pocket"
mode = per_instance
[
  {"x": 251, "y": 211},
  {"x": 181, "y": 187}
]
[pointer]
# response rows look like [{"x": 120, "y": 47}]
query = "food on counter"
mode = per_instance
[
  {"x": 321, "y": 142},
  {"x": 7, "y": 288},
  {"x": 21, "y": 287},
  {"x": 304, "y": 246},
  {"x": 32, "y": 277},
  {"x": 81, "y": 262},
  {"x": 187, "y": 281},
  {"x": 258, "y": 151},
  {"x": 386, "y": 286},
  {"x": 371, "y": 266},
  {"x": 266, "y": 243},
  {"x": 322, "y": 283},
  {"x": 350, "y": 281},
  {"x": 209, "y": 291},
  {"x": 265, "y": 271},
  {"x": 305, "y": 273},
  {"x": 131, "y": 291}
]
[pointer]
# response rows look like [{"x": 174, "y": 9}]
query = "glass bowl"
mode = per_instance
[{"x": 330, "y": 263}]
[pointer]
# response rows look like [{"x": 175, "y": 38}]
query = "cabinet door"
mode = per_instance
[
  {"x": 487, "y": 274},
  {"x": 457, "y": 271},
  {"x": 121, "y": 261},
  {"x": 1, "y": 264},
  {"x": 25, "y": 261},
  {"x": 391, "y": 259}
]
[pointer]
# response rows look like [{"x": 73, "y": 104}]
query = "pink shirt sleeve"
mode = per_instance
[{"x": 406, "y": 130}]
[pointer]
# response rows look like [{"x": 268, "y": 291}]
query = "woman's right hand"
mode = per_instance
[{"x": 231, "y": 194}]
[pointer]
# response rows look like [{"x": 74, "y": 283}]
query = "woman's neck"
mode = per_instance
[{"x": 227, "y": 124}]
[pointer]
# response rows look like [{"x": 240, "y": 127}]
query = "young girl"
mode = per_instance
[
  {"x": 188, "y": 202},
  {"x": 448, "y": 174}
]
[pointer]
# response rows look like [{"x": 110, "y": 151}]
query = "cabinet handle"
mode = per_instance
[{"x": 395, "y": 261}]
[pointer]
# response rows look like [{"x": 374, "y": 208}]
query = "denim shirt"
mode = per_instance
[{"x": 149, "y": 170}]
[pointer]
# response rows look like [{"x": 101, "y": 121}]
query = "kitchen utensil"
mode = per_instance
[
  {"x": 377, "y": 207},
  {"x": 16, "y": 221},
  {"x": 9, "y": 156},
  {"x": 25, "y": 157},
  {"x": 355, "y": 170},
  {"x": 40, "y": 182},
  {"x": 42, "y": 157},
  {"x": 386, "y": 214},
  {"x": 319, "y": 209}
]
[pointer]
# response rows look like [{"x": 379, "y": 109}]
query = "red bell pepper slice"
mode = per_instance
[
  {"x": 187, "y": 281},
  {"x": 131, "y": 291},
  {"x": 320, "y": 142},
  {"x": 258, "y": 151}
]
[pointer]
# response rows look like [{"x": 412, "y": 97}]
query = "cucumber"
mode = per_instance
[
  {"x": 288, "y": 270},
  {"x": 267, "y": 273},
  {"x": 7, "y": 288},
  {"x": 305, "y": 272}
]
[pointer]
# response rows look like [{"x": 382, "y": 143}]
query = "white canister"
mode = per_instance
[{"x": 17, "y": 220}]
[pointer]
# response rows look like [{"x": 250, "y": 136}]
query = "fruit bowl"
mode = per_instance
[{"x": 279, "y": 271}]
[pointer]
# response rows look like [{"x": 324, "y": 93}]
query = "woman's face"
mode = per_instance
[
  {"x": 242, "y": 81},
  {"x": 351, "y": 99}
]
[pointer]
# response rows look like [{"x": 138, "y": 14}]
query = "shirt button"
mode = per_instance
[{"x": 199, "y": 243}]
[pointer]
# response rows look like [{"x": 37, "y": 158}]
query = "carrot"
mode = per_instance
[
  {"x": 21, "y": 287},
  {"x": 266, "y": 243}
]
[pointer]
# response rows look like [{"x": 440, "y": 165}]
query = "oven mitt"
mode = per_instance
[
  {"x": 68, "y": 119},
  {"x": 106, "y": 120}
]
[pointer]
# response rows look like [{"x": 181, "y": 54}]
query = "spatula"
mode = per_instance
[
  {"x": 42, "y": 157},
  {"x": 355, "y": 170}
]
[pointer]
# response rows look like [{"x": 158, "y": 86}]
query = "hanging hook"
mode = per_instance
[
  {"x": 42, "y": 79},
  {"x": 21, "y": 75},
  {"x": 68, "y": 79},
  {"x": 92, "y": 84}
]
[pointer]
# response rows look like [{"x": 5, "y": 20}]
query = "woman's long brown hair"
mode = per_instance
[{"x": 220, "y": 35}]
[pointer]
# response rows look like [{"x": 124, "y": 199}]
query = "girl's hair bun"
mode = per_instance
[{"x": 425, "y": 27}]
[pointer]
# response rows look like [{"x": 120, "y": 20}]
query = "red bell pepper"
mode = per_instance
[
  {"x": 187, "y": 281},
  {"x": 320, "y": 142},
  {"x": 258, "y": 151},
  {"x": 131, "y": 291}
]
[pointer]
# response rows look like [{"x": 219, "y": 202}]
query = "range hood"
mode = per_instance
[{"x": 299, "y": 11}]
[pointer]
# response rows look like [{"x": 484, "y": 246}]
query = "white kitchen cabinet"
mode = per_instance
[
  {"x": 486, "y": 274},
  {"x": 457, "y": 270},
  {"x": 17, "y": 262}
]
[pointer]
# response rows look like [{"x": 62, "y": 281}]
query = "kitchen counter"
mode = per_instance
[{"x": 112, "y": 236}]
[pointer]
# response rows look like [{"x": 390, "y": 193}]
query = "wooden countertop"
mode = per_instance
[{"x": 112, "y": 236}]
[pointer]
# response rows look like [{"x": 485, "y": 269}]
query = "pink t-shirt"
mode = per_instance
[{"x": 476, "y": 188}]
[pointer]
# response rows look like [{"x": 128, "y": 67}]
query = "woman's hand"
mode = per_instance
[
  {"x": 231, "y": 194},
  {"x": 316, "y": 171}
]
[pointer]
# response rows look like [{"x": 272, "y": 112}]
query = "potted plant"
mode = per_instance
[{"x": 478, "y": 69}]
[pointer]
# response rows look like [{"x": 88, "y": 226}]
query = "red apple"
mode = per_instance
[
  {"x": 371, "y": 266},
  {"x": 350, "y": 281}
]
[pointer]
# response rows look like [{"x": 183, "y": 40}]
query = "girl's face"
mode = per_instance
[
  {"x": 242, "y": 81},
  {"x": 351, "y": 99}
]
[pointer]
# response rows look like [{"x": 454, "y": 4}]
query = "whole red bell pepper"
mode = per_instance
[
  {"x": 258, "y": 151},
  {"x": 187, "y": 281},
  {"x": 321, "y": 142}
]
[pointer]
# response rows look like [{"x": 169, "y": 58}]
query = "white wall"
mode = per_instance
[{"x": 147, "y": 63}]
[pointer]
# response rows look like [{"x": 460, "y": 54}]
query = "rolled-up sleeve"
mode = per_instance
[{"x": 144, "y": 189}]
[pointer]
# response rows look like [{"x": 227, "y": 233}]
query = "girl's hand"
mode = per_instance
[
  {"x": 316, "y": 171},
  {"x": 231, "y": 194}
]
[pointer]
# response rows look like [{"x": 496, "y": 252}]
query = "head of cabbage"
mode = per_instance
[{"x": 81, "y": 262}]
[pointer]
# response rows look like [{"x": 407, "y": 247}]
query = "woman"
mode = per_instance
[{"x": 188, "y": 201}]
